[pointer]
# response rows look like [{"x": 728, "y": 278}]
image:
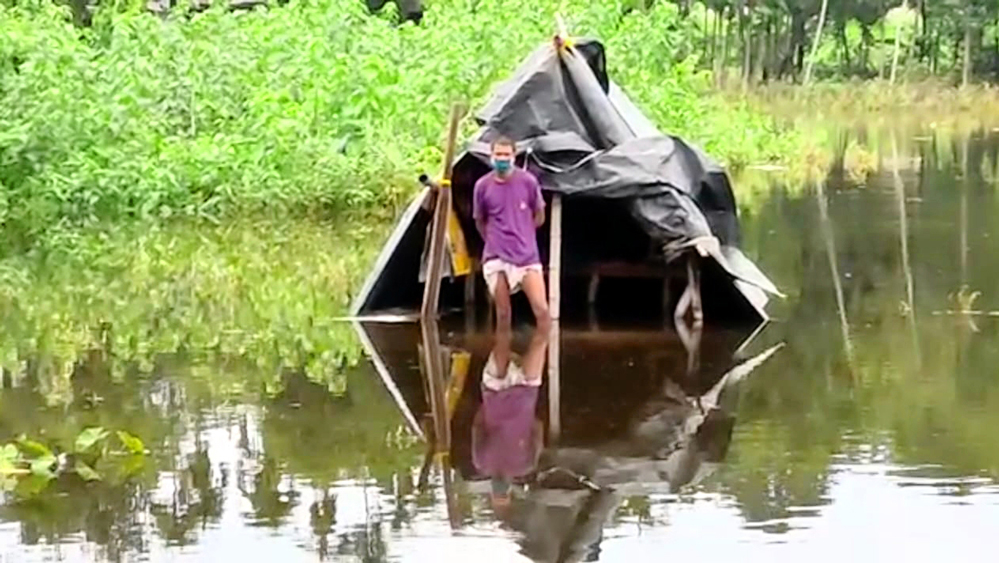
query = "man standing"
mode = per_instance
[{"x": 508, "y": 209}]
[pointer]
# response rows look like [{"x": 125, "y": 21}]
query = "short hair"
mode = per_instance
[{"x": 502, "y": 141}]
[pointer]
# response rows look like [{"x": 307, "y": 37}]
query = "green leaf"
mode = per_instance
[
  {"x": 132, "y": 443},
  {"x": 86, "y": 472},
  {"x": 33, "y": 448},
  {"x": 89, "y": 437},
  {"x": 42, "y": 466},
  {"x": 31, "y": 485},
  {"x": 7, "y": 483},
  {"x": 9, "y": 454}
]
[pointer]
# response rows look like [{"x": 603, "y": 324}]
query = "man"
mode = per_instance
[{"x": 508, "y": 209}]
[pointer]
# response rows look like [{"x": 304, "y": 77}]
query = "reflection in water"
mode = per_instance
[
  {"x": 664, "y": 438},
  {"x": 507, "y": 435},
  {"x": 672, "y": 430}
]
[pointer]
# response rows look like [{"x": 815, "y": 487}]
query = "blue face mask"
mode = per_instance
[{"x": 502, "y": 166}]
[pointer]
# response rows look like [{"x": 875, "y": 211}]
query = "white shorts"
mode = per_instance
[
  {"x": 514, "y": 375},
  {"x": 514, "y": 274}
]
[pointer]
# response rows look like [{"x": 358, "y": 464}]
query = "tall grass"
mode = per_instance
[{"x": 264, "y": 291}]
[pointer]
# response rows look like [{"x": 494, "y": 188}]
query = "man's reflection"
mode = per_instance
[{"x": 507, "y": 434}]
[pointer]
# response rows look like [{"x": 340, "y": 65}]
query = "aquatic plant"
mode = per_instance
[{"x": 31, "y": 465}]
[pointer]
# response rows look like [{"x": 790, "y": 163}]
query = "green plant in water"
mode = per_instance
[{"x": 33, "y": 464}]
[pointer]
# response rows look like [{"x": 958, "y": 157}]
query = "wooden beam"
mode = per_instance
[
  {"x": 438, "y": 226},
  {"x": 554, "y": 306}
]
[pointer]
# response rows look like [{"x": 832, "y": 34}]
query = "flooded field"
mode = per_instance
[{"x": 858, "y": 425}]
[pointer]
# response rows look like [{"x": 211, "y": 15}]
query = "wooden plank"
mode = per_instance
[{"x": 432, "y": 289}]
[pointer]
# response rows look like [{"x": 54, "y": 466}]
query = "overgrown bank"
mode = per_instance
[{"x": 300, "y": 107}]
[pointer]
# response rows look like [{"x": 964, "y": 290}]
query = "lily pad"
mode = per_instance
[{"x": 89, "y": 437}]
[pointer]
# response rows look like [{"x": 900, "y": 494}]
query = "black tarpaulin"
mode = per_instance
[{"x": 582, "y": 137}]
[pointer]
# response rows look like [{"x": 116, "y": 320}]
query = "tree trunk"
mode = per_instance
[
  {"x": 773, "y": 48},
  {"x": 761, "y": 56},
  {"x": 927, "y": 37},
  {"x": 747, "y": 44},
  {"x": 815, "y": 45},
  {"x": 898, "y": 44},
  {"x": 848, "y": 64},
  {"x": 713, "y": 45},
  {"x": 721, "y": 58},
  {"x": 966, "y": 74}
]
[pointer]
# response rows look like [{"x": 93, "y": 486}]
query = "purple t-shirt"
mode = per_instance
[
  {"x": 504, "y": 444},
  {"x": 508, "y": 208}
]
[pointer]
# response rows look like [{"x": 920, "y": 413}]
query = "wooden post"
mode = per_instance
[
  {"x": 554, "y": 306},
  {"x": 438, "y": 226},
  {"x": 555, "y": 259},
  {"x": 433, "y": 363}
]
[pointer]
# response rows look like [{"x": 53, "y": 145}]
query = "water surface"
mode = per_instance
[{"x": 869, "y": 433}]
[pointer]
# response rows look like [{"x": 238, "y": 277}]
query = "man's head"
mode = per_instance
[{"x": 503, "y": 150}]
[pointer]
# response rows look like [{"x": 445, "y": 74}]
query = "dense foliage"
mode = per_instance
[
  {"x": 303, "y": 106},
  {"x": 776, "y": 39}
]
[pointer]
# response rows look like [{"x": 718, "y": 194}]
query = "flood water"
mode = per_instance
[{"x": 859, "y": 425}]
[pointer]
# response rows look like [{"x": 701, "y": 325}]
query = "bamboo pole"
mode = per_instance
[
  {"x": 432, "y": 289},
  {"x": 554, "y": 306},
  {"x": 433, "y": 363}
]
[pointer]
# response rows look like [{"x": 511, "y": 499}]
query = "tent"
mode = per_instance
[{"x": 652, "y": 198}]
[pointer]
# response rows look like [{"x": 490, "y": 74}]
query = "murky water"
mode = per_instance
[{"x": 860, "y": 425}]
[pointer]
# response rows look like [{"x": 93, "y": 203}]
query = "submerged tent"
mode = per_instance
[{"x": 634, "y": 198}]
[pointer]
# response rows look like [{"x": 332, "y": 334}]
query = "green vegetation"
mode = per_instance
[
  {"x": 28, "y": 465},
  {"x": 319, "y": 108},
  {"x": 799, "y": 40},
  {"x": 266, "y": 291}
]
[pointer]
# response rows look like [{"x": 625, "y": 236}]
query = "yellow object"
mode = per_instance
[
  {"x": 445, "y": 183},
  {"x": 461, "y": 263},
  {"x": 459, "y": 372}
]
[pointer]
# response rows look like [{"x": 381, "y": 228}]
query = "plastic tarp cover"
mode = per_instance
[{"x": 583, "y": 138}]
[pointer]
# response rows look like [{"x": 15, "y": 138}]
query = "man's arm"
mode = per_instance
[
  {"x": 539, "y": 204},
  {"x": 478, "y": 211}
]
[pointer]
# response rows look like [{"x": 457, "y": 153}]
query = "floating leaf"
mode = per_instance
[
  {"x": 33, "y": 448},
  {"x": 132, "y": 443},
  {"x": 42, "y": 466},
  {"x": 86, "y": 472},
  {"x": 89, "y": 437},
  {"x": 132, "y": 465},
  {"x": 9, "y": 454}
]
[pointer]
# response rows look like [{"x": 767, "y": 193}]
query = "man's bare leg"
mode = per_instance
[
  {"x": 534, "y": 288},
  {"x": 534, "y": 360},
  {"x": 504, "y": 311}
]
